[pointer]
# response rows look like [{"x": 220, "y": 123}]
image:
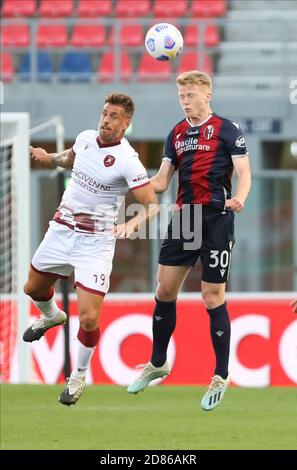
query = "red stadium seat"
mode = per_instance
[
  {"x": 130, "y": 35},
  {"x": 211, "y": 35},
  {"x": 15, "y": 8},
  {"x": 151, "y": 70},
  {"x": 169, "y": 9},
  {"x": 190, "y": 61},
  {"x": 88, "y": 35},
  {"x": 7, "y": 68},
  {"x": 55, "y": 35},
  {"x": 94, "y": 8},
  {"x": 106, "y": 69},
  {"x": 208, "y": 8},
  {"x": 132, "y": 8},
  {"x": 17, "y": 35},
  {"x": 56, "y": 8}
]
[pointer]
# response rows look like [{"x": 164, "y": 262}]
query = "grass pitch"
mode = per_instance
[{"x": 164, "y": 417}]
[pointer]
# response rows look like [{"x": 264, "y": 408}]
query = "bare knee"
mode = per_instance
[
  {"x": 34, "y": 291},
  {"x": 212, "y": 298},
  {"x": 165, "y": 293},
  {"x": 88, "y": 319}
]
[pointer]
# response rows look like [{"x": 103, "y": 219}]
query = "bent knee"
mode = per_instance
[
  {"x": 165, "y": 293},
  {"x": 31, "y": 291}
]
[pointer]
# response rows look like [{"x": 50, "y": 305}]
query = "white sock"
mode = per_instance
[
  {"x": 49, "y": 308},
  {"x": 83, "y": 361}
]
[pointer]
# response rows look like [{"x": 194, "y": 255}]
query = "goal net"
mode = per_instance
[{"x": 14, "y": 244}]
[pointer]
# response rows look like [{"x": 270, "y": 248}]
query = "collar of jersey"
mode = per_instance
[
  {"x": 201, "y": 123},
  {"x": 113, "y": 144}
]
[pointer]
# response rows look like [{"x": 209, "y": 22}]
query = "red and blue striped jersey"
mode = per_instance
[{"x": 203, "y": 157}]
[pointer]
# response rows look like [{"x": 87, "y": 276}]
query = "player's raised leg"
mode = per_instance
[
  {"x": 214, "y": 298},
  {"x": 39, "y": 287},
  {"x": 89, "y": 307},
  {"x": 170, "y": 279}
]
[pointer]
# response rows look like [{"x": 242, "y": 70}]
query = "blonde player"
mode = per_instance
[{"x": 81, "y": 236}]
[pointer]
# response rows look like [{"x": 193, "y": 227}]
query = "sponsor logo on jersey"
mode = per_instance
[
  {"x": 109, "y": 160},
  {"x": 86, "y": 181},
  {"x": 190, "y": 144},
  {"x": 86, "y": 146},
  {"x": 235, "y": 124},
  {"x": 240, "y": 142},
  {"x": 192, "y": 132},
  {"x": 208, "y": 132},
  {"x": 139, "y": 178}
]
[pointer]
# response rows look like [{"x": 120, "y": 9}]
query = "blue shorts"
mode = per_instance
[{"x": 214, "y": 250}]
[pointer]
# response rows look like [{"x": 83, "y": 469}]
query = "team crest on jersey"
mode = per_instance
[
  {"x": 109, "y": 160},
  {"x": 240, "y": 142},
  {"x": 208, "y": 132}
]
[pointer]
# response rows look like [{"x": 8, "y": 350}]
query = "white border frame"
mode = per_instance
[{"x": 21, "y": 144}]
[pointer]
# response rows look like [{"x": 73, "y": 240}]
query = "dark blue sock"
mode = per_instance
[
  {"x": 164, "y": 320},
  {"x": 220, "y": 336}
]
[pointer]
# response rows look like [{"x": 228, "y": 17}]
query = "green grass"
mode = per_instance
[{"x": 106, "y": 417}]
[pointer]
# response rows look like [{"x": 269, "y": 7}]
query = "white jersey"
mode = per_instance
[{"x": 101, "y": 176}]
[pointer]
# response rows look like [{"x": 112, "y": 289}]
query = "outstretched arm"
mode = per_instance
[
  {"x": 63, "y": 159},
  {"x": 146, "y": 196},
  {"x": 161, "y": 180}
]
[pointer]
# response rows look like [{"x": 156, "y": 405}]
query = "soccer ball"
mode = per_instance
[{"x": 164, "y": 41}]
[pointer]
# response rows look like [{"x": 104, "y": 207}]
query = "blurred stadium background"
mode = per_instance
[{"x": 59, "y": 58}]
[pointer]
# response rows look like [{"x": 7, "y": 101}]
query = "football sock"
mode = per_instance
[
  {"x": 164, "y": 321},
  {"x": 87, "y": 344},
  {"x": 220, "y": 336},
  {"x": 47, "y": 304}
]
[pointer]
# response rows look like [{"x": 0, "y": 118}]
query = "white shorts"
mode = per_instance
[{"x": 63, "y": 251}]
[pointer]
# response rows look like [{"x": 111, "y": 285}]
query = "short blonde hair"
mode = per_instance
[{"x": 194, "y": 77}]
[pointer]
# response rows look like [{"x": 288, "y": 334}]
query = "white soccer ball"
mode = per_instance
[{"x": 164, "y": 41}]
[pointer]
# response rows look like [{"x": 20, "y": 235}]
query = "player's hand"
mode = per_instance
[
  {"x": 294, "y": 305},
  {"x": 39, "y": 155},
  {"x": 124, "y": 230},
  {"x": 234, "y": 204}
]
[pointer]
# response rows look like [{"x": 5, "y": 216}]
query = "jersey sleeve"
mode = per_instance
[
  {"x": 134, "y": 172},
  {"x": 235, "y": 140},
  {"x": 77, "y": 143},
  {"x": 169, "y": 151},
  {"x": 81, "y": 139}
]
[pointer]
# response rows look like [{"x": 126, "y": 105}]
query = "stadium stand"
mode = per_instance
[
  {"x": 151, "y": 70},
  {"x": 129, "y": 35},
  {"x": 208, "y": 9},
  {"x": 232, "y": 50},
  {"x": 192, "y": 61},
  {"x": 211, "y": 35},
  {"x": 88, "y": 35},
  {"x": 94, "y": 8},
  {"x": 75, "y": 67},
  {"x": 18, "y": 8},
  {"x": 106, "y": 69},
  {"x": 132, "y": 8},
  {"x": 173, "y": 9},
  {"x": 56, "y": 9},
  {"x": 43, "y": 64},
  {"x": 7, "y": 67},
  {"x": 52, "y": 35},
  {"x": 17, "y": 35}
]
